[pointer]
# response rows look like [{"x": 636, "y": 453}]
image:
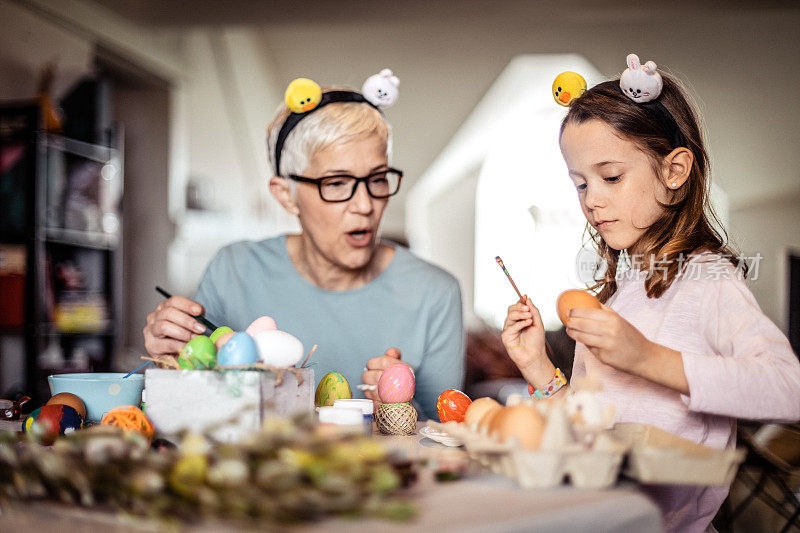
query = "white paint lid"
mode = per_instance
[{"x": 365, "y": 405}]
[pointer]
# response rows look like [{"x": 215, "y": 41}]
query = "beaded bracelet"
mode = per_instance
[{"x": 558, "y": 381}]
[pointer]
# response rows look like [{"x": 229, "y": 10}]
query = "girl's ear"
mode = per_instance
[
  {"x": 677, "y": 167},
  {"x": 279, "y": 187}
]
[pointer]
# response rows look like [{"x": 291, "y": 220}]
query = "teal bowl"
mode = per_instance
[{"x": 100, "y": 391}]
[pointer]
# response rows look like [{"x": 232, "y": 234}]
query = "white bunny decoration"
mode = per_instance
[
  {"x": 381, "y": 89},
  {"x": 641, "y": 83}
]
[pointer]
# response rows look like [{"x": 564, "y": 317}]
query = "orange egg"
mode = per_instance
[
  {"x": 484, "y": 422},
  {"x": 452, "y": 405},
  {"x": 66, "y": 398},
  {"x": 574, "y": 299}
]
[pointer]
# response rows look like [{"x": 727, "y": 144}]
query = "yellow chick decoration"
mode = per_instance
[
  {"x": 567, "y": 87},
  {"x": 302, "y": 95}
]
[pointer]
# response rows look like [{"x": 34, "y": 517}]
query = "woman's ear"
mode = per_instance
[
  {"x": 677, "y": 167},
  {"x": 280, "y": 189}
]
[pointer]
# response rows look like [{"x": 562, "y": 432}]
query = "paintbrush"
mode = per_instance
[
  {"x": 547, "y": 348},
  {"x": 500, "y": 262}
]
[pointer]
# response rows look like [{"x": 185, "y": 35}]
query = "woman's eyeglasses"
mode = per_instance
[{"x": 380, "y": 184}]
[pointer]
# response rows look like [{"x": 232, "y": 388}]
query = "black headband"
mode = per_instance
[
  {"x": 293, "y": 119},
  {"x": 667, "y": 122}
]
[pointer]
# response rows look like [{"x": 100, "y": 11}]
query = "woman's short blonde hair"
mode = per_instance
[{"x": 336, "y": 123}]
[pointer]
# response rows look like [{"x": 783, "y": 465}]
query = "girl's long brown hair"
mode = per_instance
[{"x": 686, "y": 225}]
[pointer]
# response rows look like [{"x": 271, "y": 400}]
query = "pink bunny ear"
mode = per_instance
[
  {"x": 633, "y": 62},
  {"x": 650, "y": 67}
]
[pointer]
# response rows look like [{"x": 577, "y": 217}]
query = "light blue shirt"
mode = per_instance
[{"x": 412, "y": 305}]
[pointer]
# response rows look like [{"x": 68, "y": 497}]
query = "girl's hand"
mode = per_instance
[
  {"x": 615, "y": 342},
  {"x": 610, "y": 338},
  {"x": 523, "y": 337}
]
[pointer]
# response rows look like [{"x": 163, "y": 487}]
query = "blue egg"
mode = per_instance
[{"x": 239, "y": 350}]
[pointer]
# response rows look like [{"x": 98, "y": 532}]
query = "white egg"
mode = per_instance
[{"x": 278, "y": 348}]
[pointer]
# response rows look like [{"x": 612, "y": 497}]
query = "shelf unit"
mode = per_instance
[{"x": 64, "y": 197}]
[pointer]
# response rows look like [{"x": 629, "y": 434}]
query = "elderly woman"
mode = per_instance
[{"x": 366, "y": 303}]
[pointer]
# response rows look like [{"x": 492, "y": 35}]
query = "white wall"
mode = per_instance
[{"x": 769, "y": 228}]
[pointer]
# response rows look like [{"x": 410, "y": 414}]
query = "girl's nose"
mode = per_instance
[
  {"x": 361, "y": 202},
  {"x": 593, "y": 198}
]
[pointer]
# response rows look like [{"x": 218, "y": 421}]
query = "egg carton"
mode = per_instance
[
  {"x": 659, "y": 457},
  {"x": 583, "y": 467}
]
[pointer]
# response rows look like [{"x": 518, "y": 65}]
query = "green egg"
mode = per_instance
[
  {"x": 333, "y": 386},
  {"x": 199, "y": 353},
  {"x": 219, "y": 332}
]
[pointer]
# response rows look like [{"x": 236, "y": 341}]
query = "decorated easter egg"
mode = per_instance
[
  {"x": 278, "y": 348},
  {"x": 66, "y": 398},
  {"x": 220, "y": 331},
  {"x": 574, "y": 299},
  {"x": 262, "y": 323},
  {"x": 198, "y": 353},
  {"x": 239, "y": 350},
  {"x": 333, "y": 386},
  {"x": 26, "y": 426},
  {"x": 397, "y": 384},
  {"x": 57, "y": 419},
  {"x": 452, "y": 406}
]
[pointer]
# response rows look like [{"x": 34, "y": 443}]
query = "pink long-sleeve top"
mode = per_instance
[{"x": 737, "y": 362}]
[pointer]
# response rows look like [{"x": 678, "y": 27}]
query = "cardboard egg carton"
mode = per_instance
[
  {"x": 559, "y": 458},
  {"x": 653, "y": 456},
  {"x": 659, "y": 457}
]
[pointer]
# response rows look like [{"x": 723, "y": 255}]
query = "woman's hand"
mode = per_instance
[
  {"x": 172, "y": 325},
  {"x": 374, "y": 370},
  {"x": 617, "y": 343},
  {"x": 523, "y": 337}
]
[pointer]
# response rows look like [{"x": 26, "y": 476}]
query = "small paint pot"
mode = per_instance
[{"x": 366, "y": 407}]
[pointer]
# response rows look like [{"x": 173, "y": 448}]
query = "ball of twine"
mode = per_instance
[
  {"x": 131, "y": 418},
  {"x": 396, "y": 418}
]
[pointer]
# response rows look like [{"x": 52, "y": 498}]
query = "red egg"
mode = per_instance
[
  {"x": 452, "y": 406},
  {"x": 397, "y": 384}
]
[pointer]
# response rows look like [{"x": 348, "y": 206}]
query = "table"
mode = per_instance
[{"x": 477, "y": 503}]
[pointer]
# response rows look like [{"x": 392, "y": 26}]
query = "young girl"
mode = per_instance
[{"x": 680, "y": 342}]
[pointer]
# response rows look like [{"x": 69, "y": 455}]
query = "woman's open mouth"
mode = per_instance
[{"x": 359, "y": 238}]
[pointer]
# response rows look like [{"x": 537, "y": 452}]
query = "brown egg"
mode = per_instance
[
  {"x": 574, "y": 299},
  {"x": 66, "y": 398},
  {"x": 477, "y": 409},
  {"x": 523, "y": 423},
  {"x": 485, "y": 422},
  {"x": 494, "y": 420}
]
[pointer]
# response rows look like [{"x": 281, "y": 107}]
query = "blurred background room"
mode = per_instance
[{"x": 132, "y": 147}]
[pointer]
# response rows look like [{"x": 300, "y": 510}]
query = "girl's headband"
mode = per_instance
[
  {"x": 640, "y": 83},
  {"x": 303, "y": 96}
]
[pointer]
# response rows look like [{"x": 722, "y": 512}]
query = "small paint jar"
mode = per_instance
[
  {"x": 340, "y": 420},
  {"x": 365, "y": 406}
]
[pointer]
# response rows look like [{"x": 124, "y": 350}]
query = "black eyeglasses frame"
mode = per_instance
[{"x": 364, "y": 179}]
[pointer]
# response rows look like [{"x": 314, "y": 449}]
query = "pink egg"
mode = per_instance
[
  {"x": 397, "y": 384},
  {"x": 262, "y": 323}
]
